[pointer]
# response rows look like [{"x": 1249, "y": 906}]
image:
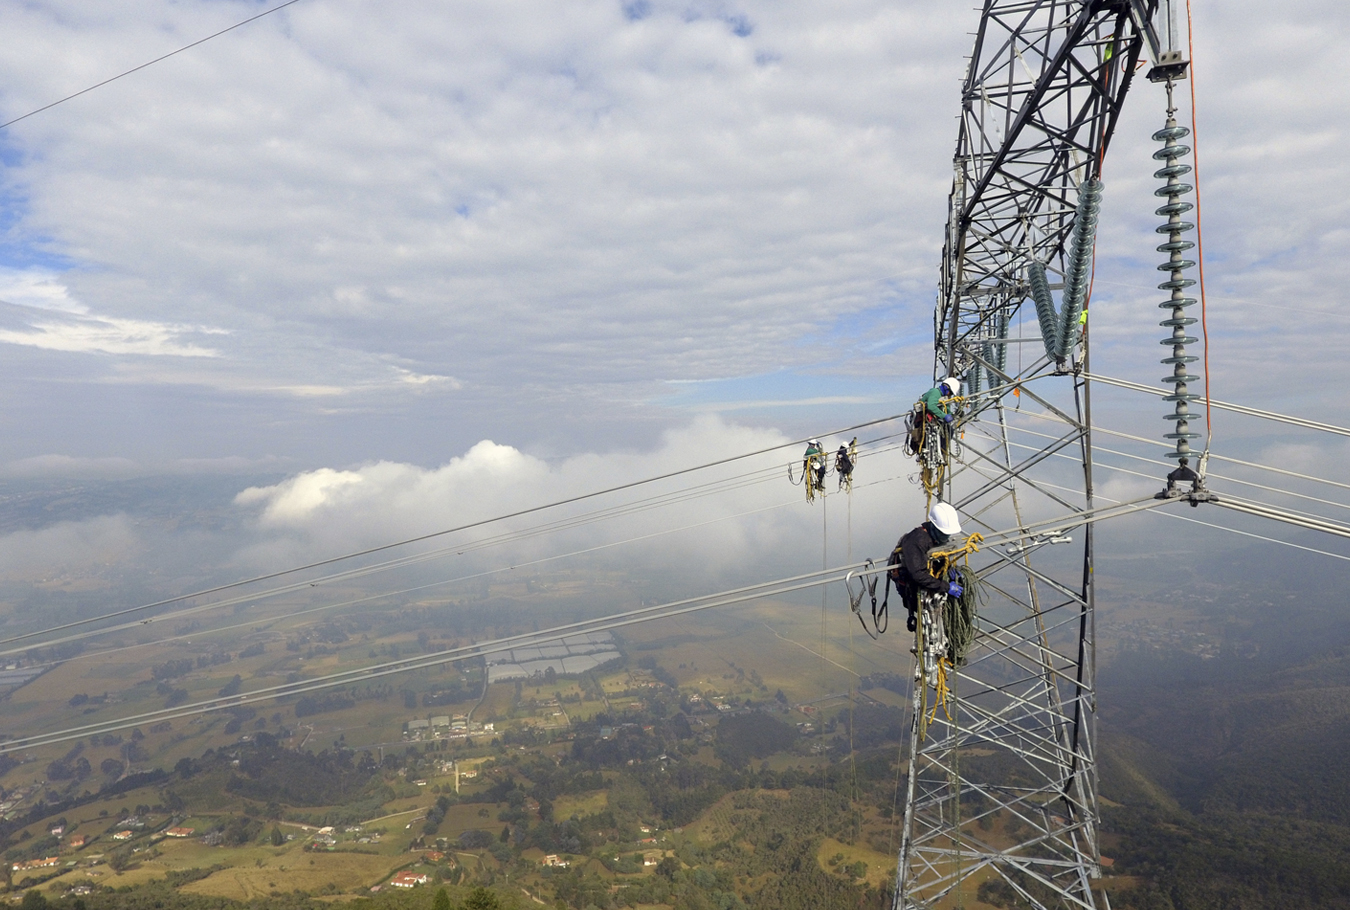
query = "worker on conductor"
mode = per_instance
[
  {"x": 914, "y": 574},
  {"x": 813, "y": 464},
  {"x": 843, "y": 465}
]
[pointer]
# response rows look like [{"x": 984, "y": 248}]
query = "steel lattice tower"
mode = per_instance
[{"x": 1005, "y": 789}]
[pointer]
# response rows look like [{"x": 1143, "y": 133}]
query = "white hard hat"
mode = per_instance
[
  {"x": 815, "y": 442},
  {"x": 944, "y": 518},
  {"x": 952, "y": 383}
]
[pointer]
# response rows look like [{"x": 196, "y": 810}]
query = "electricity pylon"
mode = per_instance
[{"x": 1002, "y": 781}]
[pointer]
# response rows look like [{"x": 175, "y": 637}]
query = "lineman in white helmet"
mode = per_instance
[
  {"x": 933, "y": 398},
  {"x": 913, "y": 573},
  {"x": 814, "y": 467},
  {"x": 936, "y": 405}
]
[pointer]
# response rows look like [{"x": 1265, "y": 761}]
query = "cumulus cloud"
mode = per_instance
[{"x": 752, "y": 514}]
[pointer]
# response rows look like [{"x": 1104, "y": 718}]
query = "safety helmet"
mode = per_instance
[
  {"x": 953, "y": 385},
  {"x": 814, "y": 442},
  {"x": 944, "y": 518}
]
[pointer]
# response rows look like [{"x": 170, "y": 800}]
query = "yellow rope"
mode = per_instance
[
  {"x": 943, "y": 559},
  {"x": 940, "y": 562},
  {"x": 942, "y": 691}
]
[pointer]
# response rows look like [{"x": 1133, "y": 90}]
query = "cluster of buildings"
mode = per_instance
[
  {"x": 45, "y": 863},
  {"x": 443, "y": 726},
  {"x": 409, "y": 879},
  {"x": 328, "y": 836},
  {"x": 717, "y": 703}
]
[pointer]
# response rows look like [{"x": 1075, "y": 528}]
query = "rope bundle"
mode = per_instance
[{"x": 961, "y": 615}]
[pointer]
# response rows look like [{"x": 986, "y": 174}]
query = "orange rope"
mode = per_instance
[{"x": 1199, "y": 235}]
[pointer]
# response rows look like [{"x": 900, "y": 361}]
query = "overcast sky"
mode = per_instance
[{"x": 355, "y": 232}]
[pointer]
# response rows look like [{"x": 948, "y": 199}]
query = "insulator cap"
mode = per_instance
[
  {"x": 1182, "y": 302},
  {"x": 1173, "y": 208},
  {"x": 1178, "y": 358},
  {"x": 1172, "y": 170},
  {"x": 1176, "y": 284},
  {"x": 1177, "y": 266},
  {"x": 1184, "y": 339},
  {"x": 1170, "y": 152},
  {"x": 1178, "y": 227},
  {"x": 1174, "y": 189},
  {"x": 1175, "y": 246},
  {"x": 1181, "y": 436},
  {"x": 1178, "y": 320},
  {"x": 1184, "y": 377},
  {"x": 1171, "y": 132}
]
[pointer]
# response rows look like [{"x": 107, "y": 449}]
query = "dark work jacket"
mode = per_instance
[{"x": 914, "y": 573}]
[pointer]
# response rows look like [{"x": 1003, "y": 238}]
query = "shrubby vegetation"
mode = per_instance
[{"x": 269, "y": 773}]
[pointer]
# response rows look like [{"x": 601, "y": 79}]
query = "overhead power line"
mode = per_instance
[
  {"x": 1251, "y": 507},
  {"x": 137, "y": 69},
  {"x": 1211, "y": 475},
  {"x": 776, "y": 587},
  {"x": 1213, "y": 457},
  {"x": 1229, "y": 406},
  {"x": 380, "y": 595},
  {"x": 435, "y": 534},
  {"x": 773, "y": 588}
]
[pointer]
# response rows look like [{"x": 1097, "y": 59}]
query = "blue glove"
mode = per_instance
[
  {"x": 955, "y": 590},
  {"x": 947, "y": 419}
]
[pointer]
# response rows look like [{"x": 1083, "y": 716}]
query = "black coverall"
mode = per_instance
[{"x": 914, "y": 573}]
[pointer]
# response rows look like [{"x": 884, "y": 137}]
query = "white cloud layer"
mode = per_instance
[{"x": 322, "y": 512}]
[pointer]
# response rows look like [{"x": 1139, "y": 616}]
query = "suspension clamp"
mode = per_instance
[{"x": 1170, "y": 66}]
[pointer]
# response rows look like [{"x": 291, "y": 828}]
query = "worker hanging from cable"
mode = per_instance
[
  {"x": 844, "y": 460},
  {"x": 814, "y": 467}
]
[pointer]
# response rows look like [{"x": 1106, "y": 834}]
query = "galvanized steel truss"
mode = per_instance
[{"x": 1041, "y": 98}]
